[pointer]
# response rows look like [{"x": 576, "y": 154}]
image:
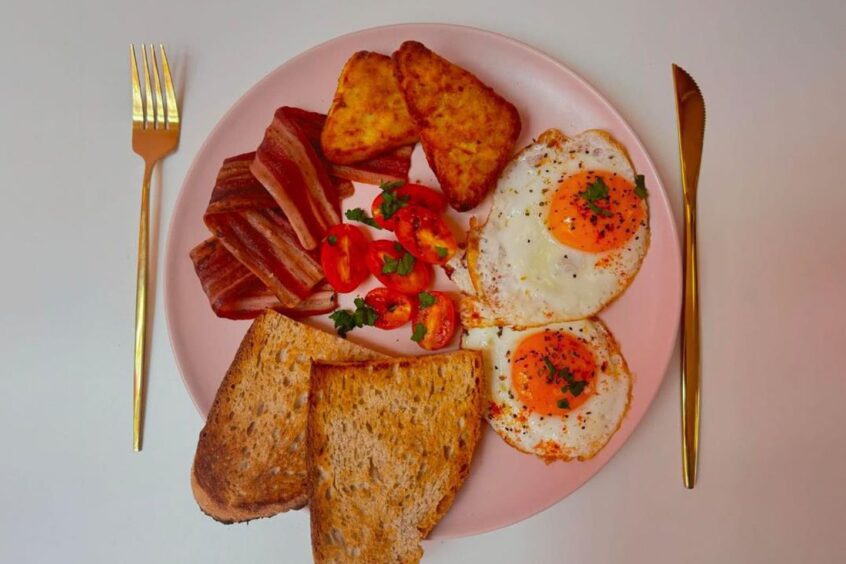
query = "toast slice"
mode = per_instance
[
  {"x": 389, "y": 445},
  {"x": 250, "y": 459},
  {"x": 368, "y": 114},
  {"x": 467, "y": 130}
]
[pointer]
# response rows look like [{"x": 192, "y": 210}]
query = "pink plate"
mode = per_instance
[{"x": 504, "y": 486}]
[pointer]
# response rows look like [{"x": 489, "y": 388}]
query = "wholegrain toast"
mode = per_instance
[
  {"x": 250, "y": 459},
  {"x": 368, "y": 116},
  {"x": 467, "y": 130},
  {"x": 389, "y": 444}
]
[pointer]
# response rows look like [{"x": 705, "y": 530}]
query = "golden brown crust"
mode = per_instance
[
  {"x": 389, "y": 444},
  {"x": 467, "y": 130},
  {"x": 368, "y": 115},
  {"x": 250, "y": 459}
]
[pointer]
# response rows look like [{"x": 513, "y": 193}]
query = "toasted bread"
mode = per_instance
[
  {"x": 389, "y": 445},
  {"x": 467, "y": 130},
  {"x": 368, "y": 114},
  {"x": 250, "y": 459}
]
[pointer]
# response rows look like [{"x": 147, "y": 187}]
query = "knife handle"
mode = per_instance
[{"x": 690, "y": 350}]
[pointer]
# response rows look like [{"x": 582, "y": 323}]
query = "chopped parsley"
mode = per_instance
[
  {"x": 358, "y": 214},
  {"x": 563, "y": 404},
  {"x": 596, "y": 191},
  {"x": 332, "y": 239},
  {"x": 640, "y": 187},
  {"x": 442, "y": 252},
  {"x": 426, "y": 299},
  {"x": 418, "y": 333},
  {"x": 402, "y": 266},
  {"x": 391, "y": 203},
  {"x": 577, "y": 387},
  {"x": 346, "y": 320}
]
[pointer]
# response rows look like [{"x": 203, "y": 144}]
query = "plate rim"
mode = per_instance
[{"x": 171, "y": 256}]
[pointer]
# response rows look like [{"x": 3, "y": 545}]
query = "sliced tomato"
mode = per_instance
[
  {"x": 343, "y": 257},
  {"x": 434, "y": 325},
  {"x": 384, "y": 259},
  {"x": 425, "y": 234},
  {"x": 406, "y": 195},
  {"x": 393, "y": 309}
]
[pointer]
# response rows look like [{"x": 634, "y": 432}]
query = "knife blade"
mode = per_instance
[{"x": 690, "y": 114}]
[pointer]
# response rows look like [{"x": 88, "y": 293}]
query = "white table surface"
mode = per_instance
[{"x": 773, "y": 260}]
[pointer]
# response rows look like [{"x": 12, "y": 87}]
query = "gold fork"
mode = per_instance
[{"x": 155, "y": 134}]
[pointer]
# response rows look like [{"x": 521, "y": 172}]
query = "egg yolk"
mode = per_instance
[
  {"x": 582, "y": 220},
  {"x": 552, "y": 372}
]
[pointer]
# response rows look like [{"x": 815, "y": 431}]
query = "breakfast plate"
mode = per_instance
[{"x": 504, "y": 485}]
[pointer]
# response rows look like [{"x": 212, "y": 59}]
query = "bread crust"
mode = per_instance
[
  {"x": 384, "y": 468},
  {"x": 250, "y": 458}
]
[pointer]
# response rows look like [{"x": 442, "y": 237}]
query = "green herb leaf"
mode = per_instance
[
  {"x": 418, "y": 333},
  {"x": 640, "y": 187},
  {"x": 346, "y": 320},
  {"x": 598, "y": 190},
  {"x": 426, "y": 299},
  {"x": 390, "y": 186},
  {"x": 406, "y": 264},
  {"x": 358, "y": 214},
  {"x": 563, "y": 404},
  {"x": 332, "y": 239},
  {"x": 577, "y": 387},
  {"x": 442, "y": 252},
  {"x": 599, "y": 211},
  {"x": 391, "y": 204},
  {"x": 390, "y": 265},
  {"x": 566, "y": 374},
  {"x": 549, "y": 366}
]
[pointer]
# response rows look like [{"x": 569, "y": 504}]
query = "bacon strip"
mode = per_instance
[
  {"x": 390, "y": 166},
  {"x": 236, "y": 293},
  {"x": 247, "y": 221},
  {"x": 290, "y": 169}
]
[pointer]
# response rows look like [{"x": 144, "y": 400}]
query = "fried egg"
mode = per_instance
[
  {"x": 567, "y": 232},
  {"x": 559, "y": 391}
]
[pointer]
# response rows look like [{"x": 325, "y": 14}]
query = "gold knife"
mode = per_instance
[{"x": 690, "y": 112}]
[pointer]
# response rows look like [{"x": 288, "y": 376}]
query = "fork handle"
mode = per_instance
[
  {"x": 141, "y": 311},
  {"x": 690, "y": 351}
]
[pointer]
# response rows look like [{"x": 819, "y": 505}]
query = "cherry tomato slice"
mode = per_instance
[
  {"x": 385, "y": 256},
  {"x": 434, "y": 325},
  {"x": 392, "y": 308},
  {"x": 343, "y": 257},
  {"x": 407, "y": 195},
  {"x": 425, "y": 234}
]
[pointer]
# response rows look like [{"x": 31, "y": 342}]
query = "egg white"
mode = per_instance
[
  {"x": 522, "y": 273},
  {"x": 583, "y": 431}
]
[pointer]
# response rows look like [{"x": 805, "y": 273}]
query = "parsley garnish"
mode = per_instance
[
  {"x": 390, "y": 186},
  {"x": 402, "y": 266},
  {"x": 563, "y": 404},
  {"x": 558, "y": 373},
  {"x": 358, "y": 214},
  {"x": 332, "y": 239},
  {"x": 442, "y": 252},
  {"x": 418, "y": 333},
  {"x": 346, "y": 320},
  {"x": 640, "y": 187},
  {"x": 391, "y": 203},
  {"x": 426, "y": 299},
  {"x": 577, "y": 387},
  {"x": 594, "y": 192}
]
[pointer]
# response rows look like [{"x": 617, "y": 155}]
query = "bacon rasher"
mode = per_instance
[
  {"x": 236, "y": 293},
  {"x": 290, "y": 169},
  {"x": 247, "y": 221}
]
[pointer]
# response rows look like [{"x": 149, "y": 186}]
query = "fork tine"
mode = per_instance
[
  {"x": 157, "y": 88},
  {"x": 149, "y": 116},
  {"x": 172, "y": 109},
  {"x": 137, "y": 105}
]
